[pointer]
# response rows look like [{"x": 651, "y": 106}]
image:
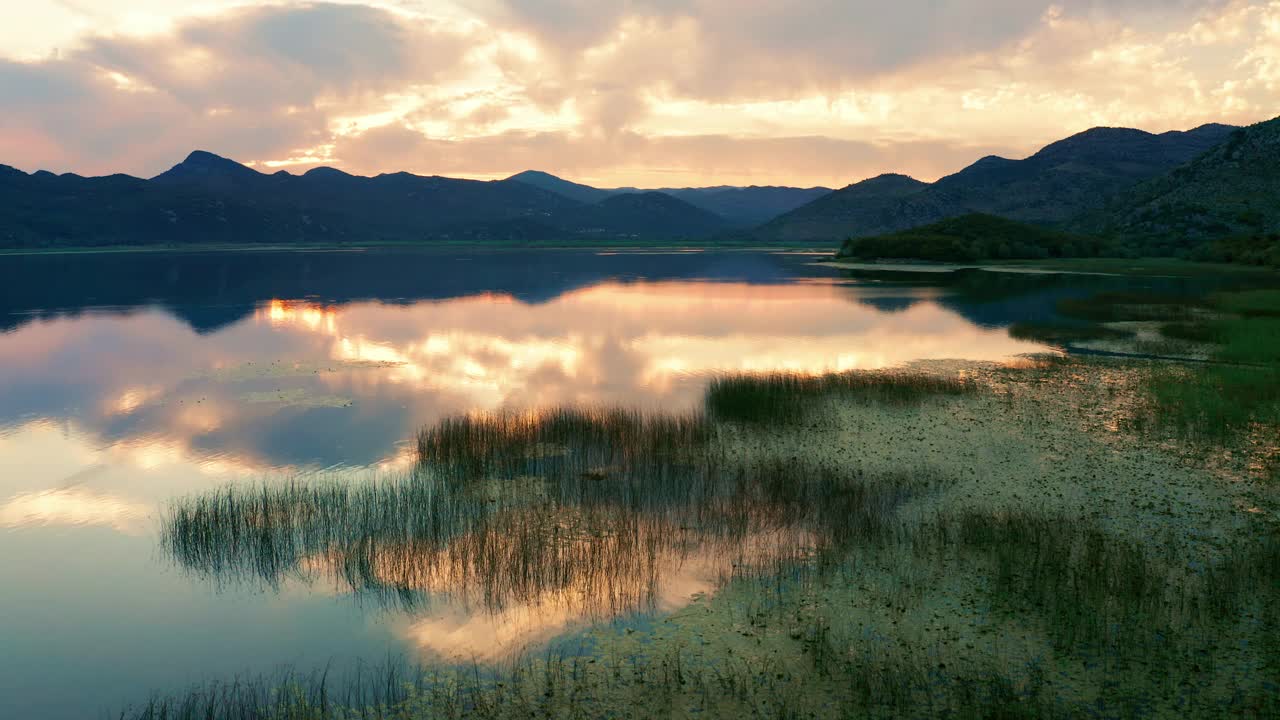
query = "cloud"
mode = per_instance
[
  {"x": 254, "y": 81},
  {"x": 654, "y": 161},
  {"x": 635, "y": 91}
]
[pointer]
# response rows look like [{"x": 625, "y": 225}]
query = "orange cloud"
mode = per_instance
[{"x": 651, "y": 92}]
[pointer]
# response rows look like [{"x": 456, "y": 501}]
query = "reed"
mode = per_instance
[{"x": 788, "y": 397}]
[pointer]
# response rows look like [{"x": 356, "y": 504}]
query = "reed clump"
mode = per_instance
[
  {"x": 621, "y": 500},
  {"x": 788, "y": 397},
  {"x": 508, "y": 442}
]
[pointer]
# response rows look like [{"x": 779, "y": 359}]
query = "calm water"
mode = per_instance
[{"x": 128, "y": 381}]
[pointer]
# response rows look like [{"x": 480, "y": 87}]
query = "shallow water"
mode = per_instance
[{"x": 129, "y": 381}]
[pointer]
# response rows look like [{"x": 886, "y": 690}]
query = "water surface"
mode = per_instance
[{"x": 128, "y": 381}]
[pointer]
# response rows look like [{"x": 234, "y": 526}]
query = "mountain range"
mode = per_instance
[
  {"x": 210, "y": 199},
  {"x": 1053, "y": 186},
  {"x": 739, "y": 206},
  {"x": 1163, "y": 193}
]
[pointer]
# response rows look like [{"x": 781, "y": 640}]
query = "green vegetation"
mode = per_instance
[
  {"x": 976, "y": 555},
  {"x": 970, "y": 238},
  {"x": 1220, "y": 206},
  {"x": 1057, "y": 333},
  {"x": 1257, "y": 249},
  {"x": 1237, "y": 392},
  {"x": 788, "y": 397},
  {"x": 1129, "y": 306}
]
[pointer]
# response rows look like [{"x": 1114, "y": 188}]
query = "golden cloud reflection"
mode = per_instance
[
  {"x": 638, "y": 339},
  {"x": 73, "y": 506},
  {"x": 179, "y": 403},
  {"x": 474, "y": 616}
]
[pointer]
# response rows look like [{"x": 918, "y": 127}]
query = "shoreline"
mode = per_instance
[
  {"x": 417, "y": 247},
  {"x": 1114, "y": 267}
]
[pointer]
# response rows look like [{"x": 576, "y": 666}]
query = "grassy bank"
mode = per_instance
[{"x": 948, "y": 541}]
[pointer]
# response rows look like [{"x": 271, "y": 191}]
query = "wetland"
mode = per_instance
[{"x": 404, "y": 484}]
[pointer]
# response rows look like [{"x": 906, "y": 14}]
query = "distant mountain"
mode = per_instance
[
  {"x": 740, "y": 206},
  {"x": 662, "y": 216},
  {"x": 560, "y": 186},
  {"x": 881, "y": 202},
  {"x": 748, "y": 206},
  {"x": 210, "y": 199},
  {"x": 970, "y": 238},
  {"x": 1051, "y": 187},
  {"x": 1231, "y": 191}
]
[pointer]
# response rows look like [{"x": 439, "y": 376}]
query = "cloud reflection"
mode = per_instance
[
  {"x": 73, "y": 506},
  {"x": 160, "y": 394}
]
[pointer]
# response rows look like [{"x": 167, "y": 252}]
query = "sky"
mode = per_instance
[{"x": 654, "y": 93}]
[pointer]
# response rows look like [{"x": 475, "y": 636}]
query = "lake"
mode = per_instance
[{"x": 130, "y": 381}]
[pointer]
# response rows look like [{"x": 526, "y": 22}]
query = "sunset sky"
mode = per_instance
[{"x": 632, "y": 92}]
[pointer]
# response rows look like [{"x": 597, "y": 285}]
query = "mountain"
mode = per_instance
[
  {"x": 1058, "y": 183},
  {"x": 1232, "y": 191},
  {"x": 748, "y": 206},
  {"x": 886, "y": 201},
  {"x": 662, "y": 216},
  {"x": 970, "y": 238},
  {"x": 560, "y": 186},
  {"x": 740, "y": 206},
  {"x": 211, "y": 199}
]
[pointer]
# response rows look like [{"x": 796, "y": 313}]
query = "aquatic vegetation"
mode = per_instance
[
  {"x": 583, "y": 509},
  {"x": 842, "y": 587},
  {"x": 295, "y": 397},
  {"x": 510, "y": 442},
  {"x": 1064, "y": 333},
  {"x": 1121, "y": 306},
  {"x": 1200, "y": 332},
  {"x": 786, "y": 397},
  {"x": 1236, "y": 393},
  {"x": 1250, "y": 302}
]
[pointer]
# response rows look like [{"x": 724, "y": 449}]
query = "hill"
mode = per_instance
[
  {"x": 748, "y": 206},
  {"x": 560, "y": 186},
  {"x": 739, "y": 206},
  {"x": 662, "y": 217},
  {"x": 211, "y": 199},
  {"x": 1058, "y": 183},
  {"x": 1224, "y": 196},
  {"x": 970, "y": 238}
]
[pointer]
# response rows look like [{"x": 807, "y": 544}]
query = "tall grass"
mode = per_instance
[
  {"x": 1118, "y": 306},
  {"x": 582, "y": 508},
  {"x": 1236, "y": 395},
  {"x": 592, "y": 509},
  {"x": 787, "y": 397},
  {"x": 510, "y": 442},
  {"x": 1064, "y": 333},
  {"x": 1134, "y": 629}
]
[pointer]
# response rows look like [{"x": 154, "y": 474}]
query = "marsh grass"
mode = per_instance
[
  {"x": 580, "y": 508},
  {"x": 1249, "y": 303},
  {"x": 1236, "y": 394},
  {"x": 1130, "y": 306},
  {"x": 1136, "y": 630},
  {"x": 511, "y": 442},
  {"x": 591, "y": 509},
  {"x": 1064, "y": 333},
  {"x": 788, "y": 397},
  {"x": 1200, "y": 332}
]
